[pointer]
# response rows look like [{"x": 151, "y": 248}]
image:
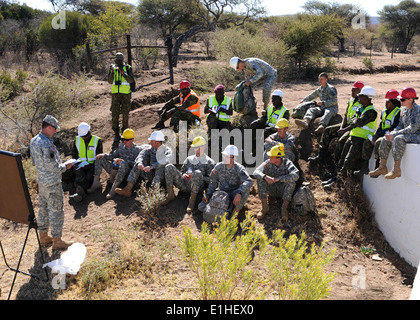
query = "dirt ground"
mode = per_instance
[{"x": 344, "y": 225}]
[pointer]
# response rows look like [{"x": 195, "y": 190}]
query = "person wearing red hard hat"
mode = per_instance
[
  {"x": 340, "y": 131},
  {"x": 390, "y": 117},
  {"x": 407, "y": 131},
  {"x": 185, "y": 107}
]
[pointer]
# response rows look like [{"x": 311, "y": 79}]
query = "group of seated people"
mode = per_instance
[{"x": 356, "y": 138}]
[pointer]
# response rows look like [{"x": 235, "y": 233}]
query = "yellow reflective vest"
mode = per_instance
[
  {"x": 215, "y": 107},
  {"x": 88, "y": 154},
  {"x": 353, "y": 107},
  {"x": 274, "y": 116},
  {"x": 124, "y": 87},
  {"x": 367, "y": 130},
  {"x": 388, "y": 121}
]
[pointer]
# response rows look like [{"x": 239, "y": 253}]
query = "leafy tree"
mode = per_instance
[
  {"x": 402, "y": 21},
  {"x": 345, "y": 11},
  {"x": 194, "y": 16}
]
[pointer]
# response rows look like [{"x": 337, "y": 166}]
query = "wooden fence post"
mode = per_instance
[
  {"x": 129, "y": 57},
  {"x": 169, "y": 45},
  {"x": 89, "y": 58}
]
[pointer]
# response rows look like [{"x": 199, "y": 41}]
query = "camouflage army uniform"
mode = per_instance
[
  {"x": 233, "y": 181},
  {"x": 407, "y": 131},
  {"x": 129, "y": 156},
  {"x": 120, "y": 103},
  {"x": 352, "y": 152},
  {"x": 201, "y": 168},
  {"x": 46, "y": 159},
  {"x": 157, "y": 158},
  {"x": 262, "y": 69},
  {"x": 179, "y": 112},
  {"x": 288, "y": 174},
  {"x": 289, "y": 145},
  {"x": 328, "y": 95}
]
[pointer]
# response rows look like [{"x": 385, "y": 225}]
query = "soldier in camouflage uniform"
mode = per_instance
[
  {"x": 327, "y": 108},
  {"x": 46, "y": 158},
  {"x": 150, "y": 164},
  {"x": 339, "y": 130},
  {"x": 262, "y": 71},
  {"x": 231, "y": 177},
  {"x": 276, "y": 177},
  {"x": 195, "y": 172},
  {"x": 185, "y": 107},
  {"x": 118, "y": 163},
  {"x": 120, "y": 76},
  {"x": 282, "y": 136},
  {"x": 407, "y": 131}
]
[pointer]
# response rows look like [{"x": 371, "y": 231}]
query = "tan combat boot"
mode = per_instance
[
  {"x": 320, "y": 129},
  {"x": 126, "y": 192},
  {"x": 284, "y": 212},
  {"x": 304, "y": 123},
  {"x": 45, "y": 239},
  {"x": 170, "y": 196},
  {"x": 264, "y": 209},
  {"x": 396, "y": 171},
  {"x": 59, "y": 244},
  {"x": 95, "y": 185},
  {"x": 191, "y": 204},
  {"x": 381, "y": 170}
]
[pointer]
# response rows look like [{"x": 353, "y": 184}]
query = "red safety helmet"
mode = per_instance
[
  {"x": 358, "y": 85},
  {"x": 184, "y": 84},
  {"x": 408, "y": 93},
  {"x": 392, "y": 94}
]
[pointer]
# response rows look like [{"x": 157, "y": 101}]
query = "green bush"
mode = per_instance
[{"x": 11, "y": 87}]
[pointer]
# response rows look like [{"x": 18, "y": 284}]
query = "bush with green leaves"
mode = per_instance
[{"x": 239, "y": 261}]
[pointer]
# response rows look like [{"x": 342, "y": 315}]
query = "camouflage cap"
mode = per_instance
[{"x": 51, "y": 121}]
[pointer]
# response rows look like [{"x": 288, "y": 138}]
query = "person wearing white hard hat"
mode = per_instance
[
  {"x": 193, "y": 176},
  {"x": 85, "y": 148},
  {"x": 150, "y": 163},
  {"x": 231, "y": 177},
  {"x": 262, "y": 71},
  {"x": 274, "y": 112},
  {"x": 363, "y": 127},
  {"x": 326, "y": 108}
]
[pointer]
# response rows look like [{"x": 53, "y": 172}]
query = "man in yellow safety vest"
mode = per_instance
[{"x": 219, "y": 109}]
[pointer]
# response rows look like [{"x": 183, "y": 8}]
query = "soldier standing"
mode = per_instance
[
  {"x": 407, "y": 131},
  {"x": 149, "y": 164},
  {"x": 262, "y": 71},
  {"x": 46, "y": 159},
  {"x": 118, "y": 163},
  {"x": 327, "y": 108},
  {"x": 121, "y": 77},
  {"x": 194, "y": 174},
  {"x": 231, "y": 177},
  {"x": 276, "y": 177}
]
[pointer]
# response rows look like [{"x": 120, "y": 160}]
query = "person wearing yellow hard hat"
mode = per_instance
[
  {"x": 281, "y": 136},
  {"x": 149, "y": 164},
  {"x": 274, "y": 112},
  {"x": 118, "y": 163},
  {"x": 85, "y": 148},
  {"x": 193, "y": 176},
  {"x": 276, "y": 177}
]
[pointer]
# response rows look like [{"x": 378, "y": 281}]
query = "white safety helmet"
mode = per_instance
[
  {"x": 234, "y": 62},
  {"x": 83, "y": 129},
  {"x": 367, "y": 91},
  {"x": 157, "y": 136},
  {"x": 231, "y": 150},
  {"x": 278, "y": 93}
]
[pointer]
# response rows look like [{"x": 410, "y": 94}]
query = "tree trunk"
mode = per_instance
[{"x": 180, "y": 40}]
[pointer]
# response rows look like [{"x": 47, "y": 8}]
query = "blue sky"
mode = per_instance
[{"x": 274, "y": 7}]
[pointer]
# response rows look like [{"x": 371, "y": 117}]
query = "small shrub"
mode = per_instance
[
  {"x": 151, "y": 198},
  {"x": 368, "y": 63}
]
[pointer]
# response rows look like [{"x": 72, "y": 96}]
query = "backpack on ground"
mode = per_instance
[
  {"x": 303, "y": 201},
  {"x": 244, "y": 101},
  {"x": 300, "y": 110},
  {"x": 217, "y": 207}
]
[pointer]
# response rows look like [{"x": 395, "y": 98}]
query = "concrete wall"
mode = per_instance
[{"x": 396, "y": 204}]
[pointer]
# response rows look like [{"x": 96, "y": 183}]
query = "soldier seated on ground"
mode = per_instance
[
  {"x": 276, "y": 177},
  {"x": 185, "y": 107},
  {"x": 231, "y": 177},
  {"x": 219, "y": 110},
  {"x": 327, "y": 108},
  {"x": 407, "y": 131},
  {"x": 149, "y": 164},
  {"x": 194, "y": 174},
  {"x": 274, "y": 112},
  {"x": 282, "y": 136},
  {"x": 117, "y": 163}
]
